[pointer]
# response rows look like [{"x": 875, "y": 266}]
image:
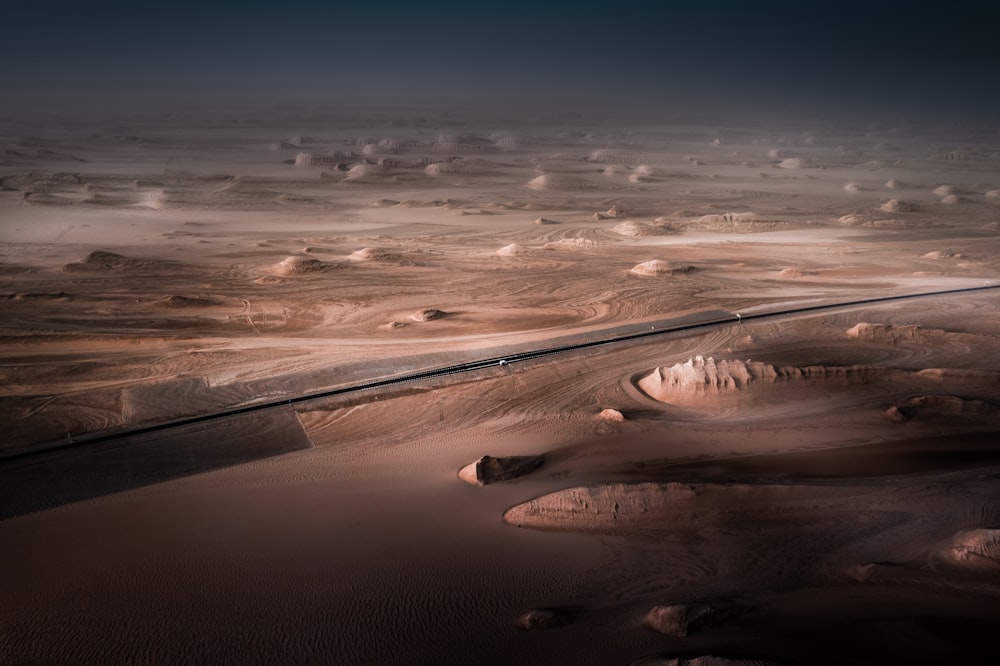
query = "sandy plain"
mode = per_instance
[{"x": 821, "y": 488}]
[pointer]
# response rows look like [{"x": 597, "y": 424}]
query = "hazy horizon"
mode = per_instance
[{"x": 829, "y": 58}]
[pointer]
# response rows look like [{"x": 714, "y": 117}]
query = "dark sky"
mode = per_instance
[{"x": 813, "y": 53}]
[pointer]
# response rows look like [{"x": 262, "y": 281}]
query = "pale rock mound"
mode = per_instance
[
  {"x": 100, "y": 260},
  {"x": 881, "y": 332},
  {"x": 976, "y": 550},
  {"x": 727, "y": 218},
  {"x": 926, "y": 406},
  {"x": 951, "y": 200},
  {"x": 611, "y": 416},
  {"x": 553, "y": 181},
  {"x": 732, "y": 222},
  {"x": 897, "y": 206},
  {"x": 941, "y": 254},
  {"x": 428, "y": 314},
  {"x": 684, "y": 619},
  {"x": 794, "y": 273},
  {"x": 852, "y": 220},
  {"x": 540, "y": 618},
  {"x": 852, "y": 187},
  {"x": 927, "y": 337},
  {"x": 707, "y": 660},
  {"x": 361, "y": 172},
  {"x": 508, "y": 143},
  {"x": 703, "y": 377},
  {"x": 489, "y": 470},
  {"x": 445, "y": 168},
  {"x": 545, "y": 220},
  {"x": 297, "y": 266},
  {"x": 512, "y": 250},
  {"x": 371, "y": 254},
  {"x": 326, "y": 160},
  {"x": 993, "y": 194},
  {"x": 631, "y": 229},
  {"x": 179, "y": 301},
  {"x": 643, "y": 173},
  {"x": 945, "y": 190},
  {"x": 155, "y": 200},
  {"x": 791, "y": 163},
  {"x": 568, "y": 243},
  {"x": 642, "y": 229},
  {"x": 657, "y": 267}
]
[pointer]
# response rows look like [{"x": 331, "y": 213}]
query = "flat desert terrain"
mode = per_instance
[{"x": 779, "y": 482}]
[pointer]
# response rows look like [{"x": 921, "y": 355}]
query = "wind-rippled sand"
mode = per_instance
[{"x": 818, "y": 489}]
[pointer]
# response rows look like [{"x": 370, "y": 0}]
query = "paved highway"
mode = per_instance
[{"x": 570, "y": 343}]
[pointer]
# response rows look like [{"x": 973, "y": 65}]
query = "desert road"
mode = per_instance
[
  {"x": 103, "y": 463},
  {"x": 566, "y": 344}
]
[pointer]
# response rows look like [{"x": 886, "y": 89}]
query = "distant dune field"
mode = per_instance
[{"x": 820, "y": 488}]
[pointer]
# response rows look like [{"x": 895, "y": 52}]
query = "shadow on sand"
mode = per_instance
[{"x": 47, "y": 480}]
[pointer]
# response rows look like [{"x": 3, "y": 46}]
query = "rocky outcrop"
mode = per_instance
[
  {"x": 428, "y": 314},
  {"x": 540, "y": 618},
  {"x": 925, "y": 406},
  {"x": 975, "y": 549},
  {"x": 704, "y": 376},
  {"x": 489, "y": 470},
  {"x": 684, "y": 619},
  {"x": 660, "y": 267}
]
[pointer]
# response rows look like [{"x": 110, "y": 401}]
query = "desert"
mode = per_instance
[{"x": 766, "y": 429}]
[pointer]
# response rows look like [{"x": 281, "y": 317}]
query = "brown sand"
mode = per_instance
[{"x": 830, "y": 479}]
